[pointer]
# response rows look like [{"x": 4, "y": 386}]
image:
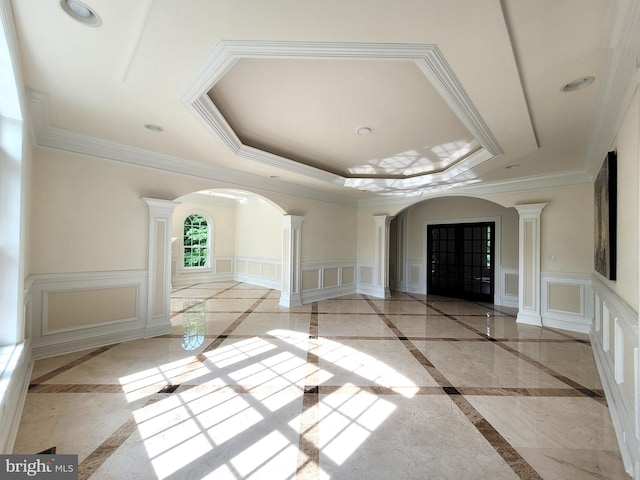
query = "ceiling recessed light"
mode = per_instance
[
  {"x": 153, "y": 127},
  {"x": 578, "y": 83},
  {"x": 363, "y": 131},
  {"x": 81, "y": 12}
]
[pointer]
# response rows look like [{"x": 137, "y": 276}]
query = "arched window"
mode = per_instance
[{"x": 195, "y": 241}]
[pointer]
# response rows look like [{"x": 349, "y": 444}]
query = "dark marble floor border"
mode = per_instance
[
  {"x": 309, "y": 453},
  {"x": 308, "y": 466},
  {"x": 70, "y": 365},
  {"x": 96, "y": 458},
  {"x": 592, "y": 393},
  {"x": 508, "y": 453}
]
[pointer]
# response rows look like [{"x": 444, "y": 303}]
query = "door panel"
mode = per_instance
[{"x": 461, "y": 260}]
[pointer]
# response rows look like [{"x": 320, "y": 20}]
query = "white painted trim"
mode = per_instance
[
  {"x": 50, "y": 136},
  {"x": 179, "y": 260},
  {"x": 620, "y": 79},
  {"x": 372, "y": 290},
  {"x": 507, "y": 299},
  {"x": 160, "y": 216},
  {"x": 529, "y": 213},
  {"x": 428, "y": 58},
  {"x": 14, "y": 380},
  {"x": 325, "y": 293},
  {"x": 264, "y": 282},
  {"x": 46, "y": 342},
  {"x": 328, "y": 293},
  {"x": 291, "y": 267},
  {"x": 497, "y": 258},
  {"x": 421, "y": 286},
  {"x": 624, "y": 411},
  {"x": 290, "y": 300},
  {"x": 566, "y": 320}
]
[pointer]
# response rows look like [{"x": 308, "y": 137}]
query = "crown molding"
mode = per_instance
[
  {"x": 622, "y": 74},
  {"x": 49, "y": 136},
  {"x": 429, "y": 60},
  {"x": 13, "y": 105},
  {"x": 530, "y": 184}
]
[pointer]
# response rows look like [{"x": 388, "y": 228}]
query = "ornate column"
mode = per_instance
[
  {"x": 290, "y": 294},
  {"x": 529, "y": 264},
  {"x": 159, "y": 283},
  {"x": 381, "y": 256}
]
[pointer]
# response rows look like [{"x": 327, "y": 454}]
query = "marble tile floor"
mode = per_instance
[{"x": 409, "y": 387}]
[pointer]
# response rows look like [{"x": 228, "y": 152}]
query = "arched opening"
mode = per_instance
[
  {"x": 456, "y": 246},
  {"x": 226, "y": 234}
]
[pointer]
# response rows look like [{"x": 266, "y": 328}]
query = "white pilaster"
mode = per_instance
[
  {"x": 381, "y": 258},
  {"x": 529, "y": 264},
  {"x": 290, "y": 294},
  {"x": 159, "y": 285},
  {"x": 401, "y": 254}
]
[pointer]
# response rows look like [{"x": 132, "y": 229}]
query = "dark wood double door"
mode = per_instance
[{"x": 461, "y": 260}]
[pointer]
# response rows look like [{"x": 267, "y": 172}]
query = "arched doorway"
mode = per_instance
[
  {"x": 233, "y": 234},
  {"x": 456, "y": 246}
]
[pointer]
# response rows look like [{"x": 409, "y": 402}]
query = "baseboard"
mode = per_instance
[
  {"x": 622, "y": 423},
  {"x": 373, "y": 291},
  {"x": 566, "y": 325},
  {"x": 529, "y": 319},
  {"x": 263, "y": 282},
  {"x": 16, "y": 377},
  {"x": 328, "y": 293},
  {"x": 290, "y": 300},
  {"x": 76, "y": 341}
]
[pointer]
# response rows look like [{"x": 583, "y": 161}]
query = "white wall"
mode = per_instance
[
  {"x": 615, "y": 336},
  {"x": 258, "y": 230},
  {"x": 463, "y": 208}
]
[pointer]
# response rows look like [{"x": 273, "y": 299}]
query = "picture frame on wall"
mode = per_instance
[{"x": 606, "y": 193}]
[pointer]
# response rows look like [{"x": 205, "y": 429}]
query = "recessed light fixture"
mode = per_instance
[
  {"x": 578, "y": 84},
  {"x": 81, "y": 12},
  {"x": 363, "y": 130},
  {"x": 153, "y": 127},
  {"x": 509, "y": 167}
]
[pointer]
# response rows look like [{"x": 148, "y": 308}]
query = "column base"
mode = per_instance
[
  {"x": 529, "y": 318},
  {"x": 290, "y": 300}
]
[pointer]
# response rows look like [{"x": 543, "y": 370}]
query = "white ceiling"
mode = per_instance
[{"x": 453, "y": 91}]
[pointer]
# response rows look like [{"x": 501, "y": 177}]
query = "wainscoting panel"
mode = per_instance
[
  {"x": 263, "y": 272},
  {"x": 256, "y": 271},
  {"x": 324, "y": 280},
  {"x": 416, "y": 277},
  {"x": 509, "y": 292},
  {"x": 614, "y": 339},
  {"x": 567, "y": 301},
  {"x": 70, "y": 312}
]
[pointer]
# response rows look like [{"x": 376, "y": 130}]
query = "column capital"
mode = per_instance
[
  {"x": 530, "y": 208},
  {"x": 157, "y": 205},
  {"x": 293, "y": 221},
  {"x": 382, "y": 219}
]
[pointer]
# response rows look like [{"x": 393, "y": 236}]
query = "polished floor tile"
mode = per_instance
[{"x": 409, "y": 387}]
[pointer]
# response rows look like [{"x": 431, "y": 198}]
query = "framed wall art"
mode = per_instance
[{"x": 606, "y": 193}]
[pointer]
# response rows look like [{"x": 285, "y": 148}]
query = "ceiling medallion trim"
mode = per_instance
[{"x": 427, "y": 58}]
